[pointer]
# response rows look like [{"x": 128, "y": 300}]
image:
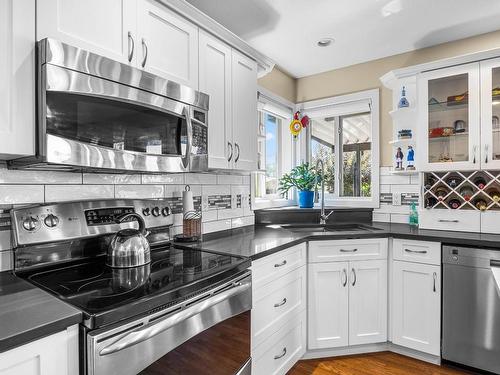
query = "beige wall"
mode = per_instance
[
  {"x": 366, "y": 76},
  {"x": 280, "y": 83}
]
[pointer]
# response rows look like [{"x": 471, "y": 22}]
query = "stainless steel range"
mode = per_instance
[{"x": 183, "y": 312}]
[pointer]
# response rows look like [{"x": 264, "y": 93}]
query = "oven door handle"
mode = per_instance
[
  {"x": 149, "y": 331},
  {"x": 189, "y": 131}
]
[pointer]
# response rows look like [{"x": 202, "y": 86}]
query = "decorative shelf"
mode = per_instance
[
  {"x": 452, "y": 136},
  {"x": 444, "y": 107},
  {"x": 401, "y": 113},
  {"x": 404, "y": 173},
  {"x": 398, "y": 142}
]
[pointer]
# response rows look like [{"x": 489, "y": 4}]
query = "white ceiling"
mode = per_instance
[{"x": 287, "y": 30}]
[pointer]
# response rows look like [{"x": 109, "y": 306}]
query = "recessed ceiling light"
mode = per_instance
[{"x": 325, "y": 42}]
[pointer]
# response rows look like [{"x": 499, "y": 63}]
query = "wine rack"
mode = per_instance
[{"x": 474, "y": 190}]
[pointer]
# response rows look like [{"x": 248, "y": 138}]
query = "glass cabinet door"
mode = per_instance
[
  {"x": 490, "y": 114},
  {"x": 449, "y": 99}
]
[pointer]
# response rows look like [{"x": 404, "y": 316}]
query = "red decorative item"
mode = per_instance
[{"x": 304, "y": 121}]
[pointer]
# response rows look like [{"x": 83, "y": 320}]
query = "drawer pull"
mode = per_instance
[
  {"x": 280, "y": 264},
  {"x": 434, "y": 276},
  {"x": 280, "y": 303},
  {"x": 348, "y": 250},
  {"x": 283, "y": 352},
  {"x": 448, "y": 221},
  {"x": 416, "y": 251}
]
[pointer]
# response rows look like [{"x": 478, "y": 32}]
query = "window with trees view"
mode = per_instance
[{"x": 344, "y": 134}]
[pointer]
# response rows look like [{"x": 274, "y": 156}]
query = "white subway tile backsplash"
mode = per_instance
[
  {"x": 6, "y": 260},
  {"x": 5, "y": 240},
  {"x": 381, "y": 217},
  {"x": 246, "y": 180},
  {"x": 394, "y": 180},
  {"x": 400, "y": 218},
  {"x": 172, "y": 191},
  {"x": 62, "y": 193},
  {"x": 139, "y": 191},
  {"x": 230, "y": 213},
  {"x": 210, "y": 215},
  {"x": 163, "y": 179},
  {"x": 385, "y": 189},
  {"x": 8, "y": 176},
  {"x": 110, "y": 178},
  {"x": 215, "y": 226},
  {"x": 405, "y": 189},
  {"x": 201, "y": 178},
  {"x": 242, "y": 221},
  {"x": 207, "y": 190},
  {"x": 227, "y": 179},
  {"x": 21, "y": 194}
]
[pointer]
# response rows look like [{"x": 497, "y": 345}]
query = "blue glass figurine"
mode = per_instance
[
  {"x": 403, "y": 102},
  {"x": 410, "y": 157},
  {"x": 399, "y": 159}
]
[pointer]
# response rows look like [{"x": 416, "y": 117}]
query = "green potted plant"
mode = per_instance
[{"x": 304, "y": 178}]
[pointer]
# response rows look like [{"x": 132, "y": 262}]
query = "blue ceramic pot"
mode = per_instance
[{"x": 306, "y": 199}]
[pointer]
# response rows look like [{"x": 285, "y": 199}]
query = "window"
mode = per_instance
[
  {"x": 275, "y": 150},
  {"x": 344, "y": 134}
]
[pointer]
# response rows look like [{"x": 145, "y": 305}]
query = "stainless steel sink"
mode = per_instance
[{"x": 315, "y": 228}]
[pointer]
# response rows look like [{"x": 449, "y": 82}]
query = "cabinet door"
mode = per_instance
[
  {"x": 328, "y": 321},
  {"x": 168, "y": 44},
  {"x": 490, "y": 114},
  {"x": 416, "y": 306},
  {"x": 102, "y": 27},
  {"x": 17, "y": 78},
  {"x": 449, "y": 118},
  {"x": 215, "y": 80},
  {"x": 244, "y": 113},
  {"x": 368, "y": 302}
]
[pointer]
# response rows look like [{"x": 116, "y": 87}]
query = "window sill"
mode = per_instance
[{"x": 260, "y": 203}]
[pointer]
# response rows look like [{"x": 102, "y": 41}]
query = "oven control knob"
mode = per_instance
[
  {"x": 146, "y": 211},
  {"x": 165, "y": 211},
  {"x": 30, "y": 224},
  {"x": 155, "y": 211},
  {"x": 51, "y": 220}
]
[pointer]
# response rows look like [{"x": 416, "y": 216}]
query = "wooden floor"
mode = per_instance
[{"x": 383, "y": 363}]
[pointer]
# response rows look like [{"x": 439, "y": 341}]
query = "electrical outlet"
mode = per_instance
[{"x": 396, "y": 199}]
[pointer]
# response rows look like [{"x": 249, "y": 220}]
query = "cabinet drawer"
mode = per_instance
[
  {"x": 276, "y": 265},
  {"x": 343, "y": 250},
  {"x": 274, "y": 303},
  {"x": 454, "y": 220},
  {"x": 489, "y": 223},
  {"x": 282, "y": 350},
  {"x": 417, "y": 251}
]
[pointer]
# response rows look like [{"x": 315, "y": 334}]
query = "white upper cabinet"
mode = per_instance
[
  {"x": 449, "y": 118},
  {"x": 244, "y": 111},
  {"x": 17, "y": 78},
  {"x": 215, "y": 80},
  {"x": 490, "y": 114},
  {"x": 368, "y": 302},
  {"x": 107, "y": 28},
  {"x": 167, "y": 44},
  {"x": 416, "y": 306}
]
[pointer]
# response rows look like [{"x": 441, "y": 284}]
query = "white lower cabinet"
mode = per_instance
[
  {"x": 56, "y": 354},
  {"x": 348, "y": 299},
  {"x": 416, "y": 306}
]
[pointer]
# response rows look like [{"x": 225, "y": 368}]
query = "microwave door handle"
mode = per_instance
[
  {"x": 189, "y": 126},
  {"x": 149, "y": 331}
]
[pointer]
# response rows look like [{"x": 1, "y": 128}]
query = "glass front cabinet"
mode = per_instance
[{"x": 459, "y": 117}]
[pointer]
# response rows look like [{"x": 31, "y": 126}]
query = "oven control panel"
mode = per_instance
[{"x": 73, "y": 220}]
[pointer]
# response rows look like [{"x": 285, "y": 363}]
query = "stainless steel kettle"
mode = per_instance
[{"x": 129, "y": 247}]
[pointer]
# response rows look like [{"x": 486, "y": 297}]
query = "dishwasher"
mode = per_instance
[{"x": 471, "y": 307}]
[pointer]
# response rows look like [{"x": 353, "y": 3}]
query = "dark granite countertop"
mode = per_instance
[
  {"x": 28, "y": 313},
  {"x": 260, "y": 240}
]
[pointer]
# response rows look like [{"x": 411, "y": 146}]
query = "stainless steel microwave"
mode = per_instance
[{"x": 94, "y": 113}]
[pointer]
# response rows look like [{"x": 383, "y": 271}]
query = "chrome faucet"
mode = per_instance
[{"x": 322, "y": 216}]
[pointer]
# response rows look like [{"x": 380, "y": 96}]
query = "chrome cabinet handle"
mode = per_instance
[
  {"x": 146, "y": 332},
  {"x": 145, "y": 52},
  {"x": 448, "y": 221},
  {"x": 237, "y": 146},
  {"x": 474, "y": 149},
  {"x": 130, "y": 49},
  {"x": 416, "y": 251},
  {"x": 486, "y": 153},
  {"x": 344, "y": 276},
  {"x": 283, "y": 352},
  {"x": 354, "y": 277},
  {"x": 283, "y": 301},
  {"x": 189, "y": 142},
  {"x": 347, "y": 250},
  {"x": 434, "y": 276},
  {"x": 230, "y": 145},
  {"x": 280, "y": 264}
]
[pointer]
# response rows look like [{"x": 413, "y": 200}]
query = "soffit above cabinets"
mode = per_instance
[{"x": 288, "y": 30}]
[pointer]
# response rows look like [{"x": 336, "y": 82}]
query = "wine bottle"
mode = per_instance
[
  {"x": 495, "y": 195},
  {"x": 481, "y": 205},
  {"x": 430, "y": 202},
  {"x": 430, "y": 181},
  {"x": 466, "y": 192},
  {"x": 454, "y": 204},
  {"x": 480, "y": 182},
  {"x": 453, "y": 181},
  {"x": 441, "y": 192}
]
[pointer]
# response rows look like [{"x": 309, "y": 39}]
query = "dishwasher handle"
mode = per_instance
[{"x": 146, "y": 332}]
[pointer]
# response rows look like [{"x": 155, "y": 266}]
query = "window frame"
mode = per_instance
[
  {"x": 275, "y": 200},
  {"x": 372, "y": 96}
]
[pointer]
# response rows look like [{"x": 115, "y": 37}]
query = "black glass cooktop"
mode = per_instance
[{"x": 107, "y": 295}]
